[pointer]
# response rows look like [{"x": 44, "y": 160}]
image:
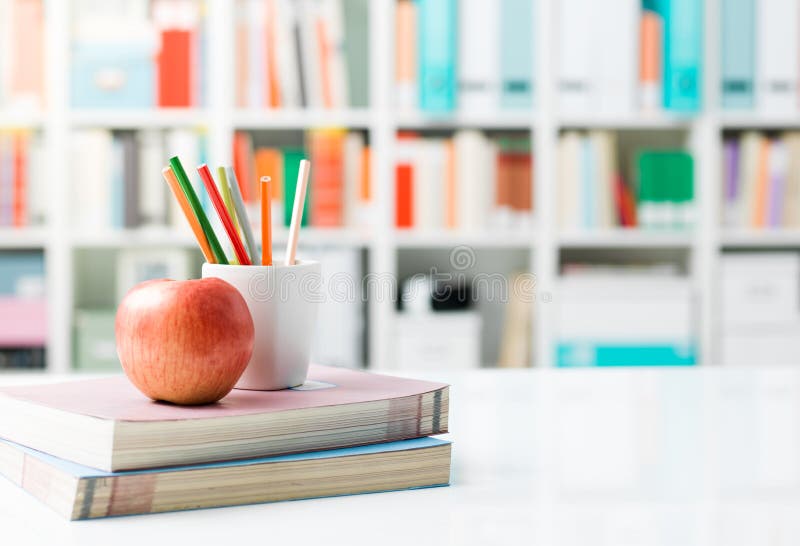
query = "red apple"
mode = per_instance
[{"x": 185, "y": 342}]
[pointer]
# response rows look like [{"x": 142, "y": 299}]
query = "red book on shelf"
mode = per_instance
[
  {"x": 20, "y": 206},
  {"x": 505, "y": 180},
  {"x": 626, "y": 203},
  {"x": 404, "y": 179},
  {"x": 243, "y": 164},
  {"x": 325, "y": 151},
  {"x": 174, "y": 68},
  {"x": 522, "y": 200}
]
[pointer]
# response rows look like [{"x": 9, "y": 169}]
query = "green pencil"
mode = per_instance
[{"x": 194, "y": 202}]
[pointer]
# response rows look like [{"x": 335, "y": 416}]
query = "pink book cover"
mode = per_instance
[
  {"x": 23, "y": 322},
  {"x": 115, "y": 398}
]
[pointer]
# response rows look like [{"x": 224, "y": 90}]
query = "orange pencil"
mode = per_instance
[
  {"x": 266, "y": 222},
  {"x": 172, "y": 182}
]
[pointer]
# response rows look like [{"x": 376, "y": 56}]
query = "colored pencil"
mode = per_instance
[
  {"x": 266, "y": 222},
  {"x": 226, "y": 199},
  {"x": 225, "y": 190},
  {"x": 297, "y": 211},
  {"x": 227, "y": 223},
  {"x": 197, "y": 208},
  {"x": 241, "y": 212},
  {"x": 202, "y": 240}
]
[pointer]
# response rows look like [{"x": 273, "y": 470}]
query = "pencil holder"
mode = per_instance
[{"x": 283, "y": 301}]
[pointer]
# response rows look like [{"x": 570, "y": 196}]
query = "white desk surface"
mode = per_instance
[{"x": 592, "y": 457}]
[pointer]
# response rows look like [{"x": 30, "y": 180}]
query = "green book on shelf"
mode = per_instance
[
  {"x": 95, "y": 347},
  {"x": 666, "y": 188},
  {"x": 291, "y": 166}
]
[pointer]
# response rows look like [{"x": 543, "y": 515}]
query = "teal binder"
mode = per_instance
[
  {"x": 516, "y": 53},
  {"x": 738, "y": 53},
  {"x": 683, "y": 52},
  {"x": 437, "y": 24},
  {"x": 580, "y": 354}
]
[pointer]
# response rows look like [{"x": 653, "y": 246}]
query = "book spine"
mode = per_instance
[
  {"x": 683, "y": 50},
  {"x": 6, "y": 180},
  {"x": 588, "y": 182},
  {"x": 738, "y": 53},
  {"x": 130, "y": 150},
  {"x": 174, "y": 66},
  {"x": 258, "y": 87},
  {"x": 574, "y": 54},
  {"x": 613, "y": 47},
  {"x": 20, "y": 205},
  {"x": 478, "y": 72},
  {"x": 516, "y": 53},
  {"x": 406, "y": 54},
  {"x": 325, "y": 149},
  {"x": 777, "y": 64},
  {"x": 650, "y": 53},
  {"x": 777, "y": 186},
  {"x": 437, "y": 54},
  {"x": 731, "y": 173},
  {"x": 759, "y": 204},
  {"x": 291, "y": 166},
  {"x": 404, "y": 208}
]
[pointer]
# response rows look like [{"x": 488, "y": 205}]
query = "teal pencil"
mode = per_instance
[{"x": 194, "y": 202}]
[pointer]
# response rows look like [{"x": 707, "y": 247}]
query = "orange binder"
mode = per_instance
[
  {"x": 174, "y": 69},
  {"x": 326, "y": 152},
  {"x": 243, "y": 165}
]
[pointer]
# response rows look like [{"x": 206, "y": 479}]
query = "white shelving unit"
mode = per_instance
[{"x": 542, "y": 241}]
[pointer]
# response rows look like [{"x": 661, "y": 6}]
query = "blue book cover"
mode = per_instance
[
  {"x": 17, "y": 264},
  {"x": 683, "y": 53},
  {"x": 580, "y": 354},
  {"x": 437, "y": 24},
  {"x": 516, "y": 53},
  {"x": 348, "y": 471},
  {"x": 738, "y": 53}
]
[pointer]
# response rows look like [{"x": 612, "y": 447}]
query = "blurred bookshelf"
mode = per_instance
[{"x": 540, "y": 245}]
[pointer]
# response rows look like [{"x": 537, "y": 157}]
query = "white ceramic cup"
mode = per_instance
[{"x": 283, "y": 301}]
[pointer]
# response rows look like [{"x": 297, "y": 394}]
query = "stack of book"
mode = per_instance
[
  {"x": 97, "y": 448},
  {"x": 467, "y": 182},
  {"x": 119, "y": 176},
  {"x": 22, "y": 195},
  {"x": 339, "y": 193},
  {"x": 623, "y": 56},
  {"x": 21, "y": 54},
  {"x": 137, "y": 54},
  {"x": 470, "y": 55},
  {"x": 23, "y": 309},
  {"x": 308, "y": 53},
  {"x": 760, "y": 51},
  {"x": 593, "y": 193},
  {"x": 762, "y": 181}
]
